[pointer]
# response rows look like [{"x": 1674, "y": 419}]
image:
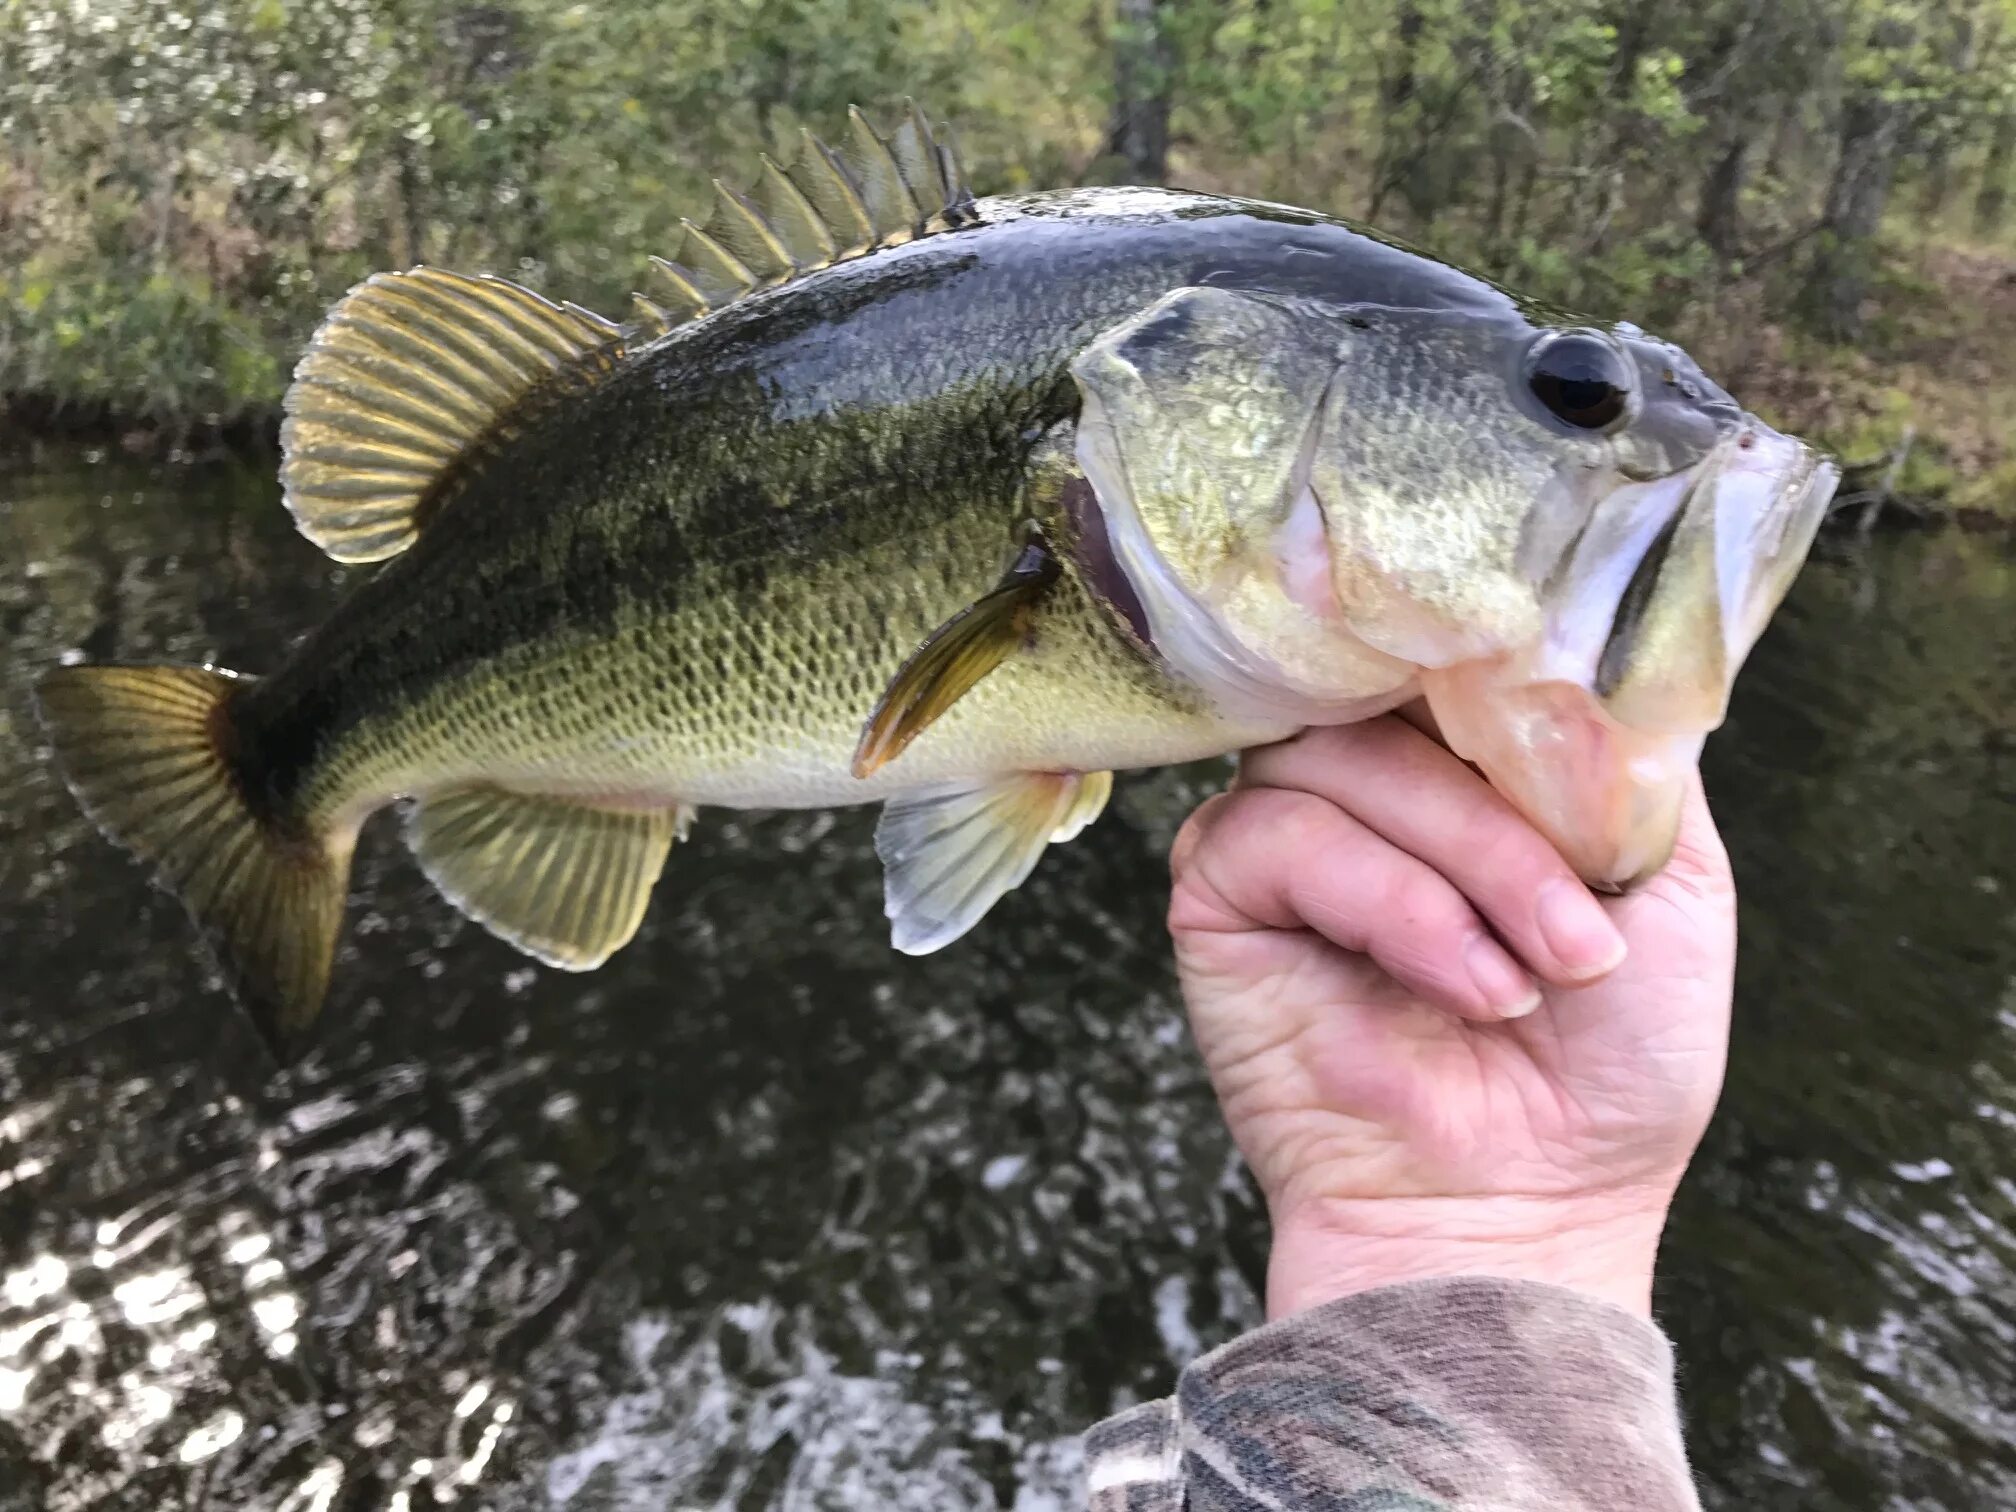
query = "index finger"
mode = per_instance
[{"x": 1399, "y": 783}]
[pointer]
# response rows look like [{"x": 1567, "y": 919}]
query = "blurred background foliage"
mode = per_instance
[{"x": 1814, "y": 194}]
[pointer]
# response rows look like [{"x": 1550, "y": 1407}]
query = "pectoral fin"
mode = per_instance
[
  {"x": 956, "y": 655},
  {"x": 562, "y": 879},
  {"x": 948, "y": 855}
]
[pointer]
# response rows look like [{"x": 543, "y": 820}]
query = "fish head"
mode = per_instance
[{"x": 1567, "y": 538}]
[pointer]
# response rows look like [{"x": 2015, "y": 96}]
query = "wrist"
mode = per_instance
[{"x": 1325, "y": 1248}]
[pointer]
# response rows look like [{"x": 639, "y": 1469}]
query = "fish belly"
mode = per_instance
[
  {"x": 755, "y": 706},
  {"x": 784, "y": 735}
]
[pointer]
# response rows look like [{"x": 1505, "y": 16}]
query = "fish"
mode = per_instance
[{"x": 886, "y": 493}]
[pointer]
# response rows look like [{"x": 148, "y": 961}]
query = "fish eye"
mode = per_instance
[{"x": 1581, "y": 378}]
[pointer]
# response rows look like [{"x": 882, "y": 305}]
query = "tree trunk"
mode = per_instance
[
  {"x": 1871, "y": 129},
  {"x": 1143, "y": 63},
  {"x": 412, "y": 222},
  {"x": 1935, "y": 170},
  {"x": 1400, "y": 87},
  {"x": 1400, "y": 149},
  {"x": 1991, "y": 204},
  {"x": 1501, "y": 188},
  {"x": 1718, "y": 220},
  {"x": 1634, "y": 35}
]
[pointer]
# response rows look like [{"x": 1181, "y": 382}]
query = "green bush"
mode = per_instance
[
  {"x": 184, "y": 189},
  {"x": 166, "y": 349}
]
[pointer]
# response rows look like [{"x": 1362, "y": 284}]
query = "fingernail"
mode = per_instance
[
  {"x": 1507, "y": 989},
  {"x": 1578, "y": 931}
]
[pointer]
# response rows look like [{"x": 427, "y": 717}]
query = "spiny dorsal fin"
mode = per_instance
[
  {"x": 831, "y": 190},
  {"x": 920, "y": 160},
  {"x": 406, "y": 376},
  {"x": 826, "y": 207},
  {"x": 794, "y": 218},
  {"x": 891, "y": 202}
]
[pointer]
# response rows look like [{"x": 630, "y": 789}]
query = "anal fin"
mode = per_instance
[
  {"x": 563, "y": 879},
  {"x": 949, "y": 854}
]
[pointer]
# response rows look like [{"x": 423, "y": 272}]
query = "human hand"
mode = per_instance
[{"x": 1411, "y": 1100}]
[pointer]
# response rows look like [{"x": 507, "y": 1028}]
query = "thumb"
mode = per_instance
[{"x": 1700, "y": 862}]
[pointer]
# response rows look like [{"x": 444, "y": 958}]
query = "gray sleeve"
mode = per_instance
[{"x": 1468, "y": 1394}]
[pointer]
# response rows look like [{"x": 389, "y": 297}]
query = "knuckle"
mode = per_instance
[
  {"x": 1193, "y": 833},
  {"x": 1232, "y": 822},
  {"x": 1324, "y": 744},
  {"x": 1701, "y": 869},
  {"x": 1264, "y": 818},
  {"x": 1700, "y": 859},
  {"x": 1505, "y": 854},
  {"x": 1419, "y": 902},
  {"x": 1264, "y": 766}
]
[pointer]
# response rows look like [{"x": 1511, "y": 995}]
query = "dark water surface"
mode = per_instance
[{"x": 765, "y": 1216}]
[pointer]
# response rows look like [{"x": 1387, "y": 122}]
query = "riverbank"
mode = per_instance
[
  {"x": 1923, "y": 412},
  {"x": 1919, "y": 412}
]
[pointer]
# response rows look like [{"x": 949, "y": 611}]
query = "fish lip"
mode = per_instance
[
  {"x": 1769, "y": 505},
  {"x": 1752, "y": 504}
]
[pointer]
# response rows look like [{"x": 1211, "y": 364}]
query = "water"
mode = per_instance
[{"x": 764, "y": 1216}]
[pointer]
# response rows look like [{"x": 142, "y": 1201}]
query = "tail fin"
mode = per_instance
[{"x": 144, "y": 749}]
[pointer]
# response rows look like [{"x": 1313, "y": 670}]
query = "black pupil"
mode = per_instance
[{"x": 1581, "y": 381}]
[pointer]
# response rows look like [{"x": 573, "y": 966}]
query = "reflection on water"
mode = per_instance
[{"x": 762, "y": 1215}]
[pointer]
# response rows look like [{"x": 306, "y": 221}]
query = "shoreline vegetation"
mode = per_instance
[{"x": 1813, "y": 196}]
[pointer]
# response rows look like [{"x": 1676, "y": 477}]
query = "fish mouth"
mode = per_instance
[
  {"x": 1672, "y": 580},
  {"x": 1592, "y": 730},
  {"x": 1592, "y": 726}
]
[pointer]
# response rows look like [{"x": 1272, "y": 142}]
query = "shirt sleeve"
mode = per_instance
[{"x": 1464, "y": 1394}]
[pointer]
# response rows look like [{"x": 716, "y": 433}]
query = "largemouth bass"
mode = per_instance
[{"x": 891, "y": 494}]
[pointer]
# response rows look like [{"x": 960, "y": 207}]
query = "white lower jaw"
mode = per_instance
[
  {"x": 1241, "y": 682},
  {"x": 1772, "y": 498},
  {"x": 1607, "y": 796},
  {"x": 1609, "y": 793}
]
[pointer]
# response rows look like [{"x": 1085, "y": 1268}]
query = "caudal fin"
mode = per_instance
[{"x": 144, "y": 749}]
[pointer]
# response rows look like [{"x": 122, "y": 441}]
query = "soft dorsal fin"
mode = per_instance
[
  {"x": 827, "y": 206},
  {"x": 406, "y": 376}
]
